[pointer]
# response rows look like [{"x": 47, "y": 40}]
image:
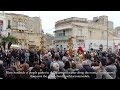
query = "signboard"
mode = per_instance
[{"x": 1, "y": 25}]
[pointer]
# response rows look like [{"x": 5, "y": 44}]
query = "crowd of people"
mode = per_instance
[{"x": 54, "y": 64}]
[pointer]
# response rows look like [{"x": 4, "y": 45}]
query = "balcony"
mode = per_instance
[
  {"x": 31, "y": 42},
  {"x": 62, "y": 38},
  {"x": 80, "y": 37},
  {"x": 63, "y": 29}
]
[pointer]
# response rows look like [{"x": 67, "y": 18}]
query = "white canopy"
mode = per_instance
[{"x": 15, "y": 46}]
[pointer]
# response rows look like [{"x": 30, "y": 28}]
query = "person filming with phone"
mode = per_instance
[{"x": 108, "y": 70}]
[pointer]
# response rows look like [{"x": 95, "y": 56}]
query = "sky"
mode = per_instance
[{"x": 50, "y": 17}]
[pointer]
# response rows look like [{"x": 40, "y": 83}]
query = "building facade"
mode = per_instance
[
  {"x": 86, "y": 33},
  {"x": 117, "y": 39},
  {"x": 2, "y": 24},
  {"x": 49, "y": 41},
  {"x": 26, "y": 29}
]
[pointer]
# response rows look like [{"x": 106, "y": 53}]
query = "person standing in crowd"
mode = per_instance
[
  {"x": 36, "y": 68},
  {"x": 31, "y": 57},
  {"x": 65, "y": 56},
  {"x": 35, "y": 55},
  {"x": 18, "y": 55},
  {"x": 27, "y": 54},
  {"x": 54, "y": 72},
  {"x": 43, "y": 67},
  {"x": 88, "y": 59},
  {"x": 8, "y": 59},
  {"x": 61, "y": 54},
  {"x": 89, "y": 69},
  {"x": 24, "y": 68},
  {"x": 38, "y": 55},
  {"x": 102, "y": 73},
  {"x": 17, "y": 64},
  {"x": 60, "y": 62},
  {"x": 111, "y": 68},
  {"x": 47, "y": 61},
  {"x": 118, "y": 68},
  {"x": 2, "y": 70},
  {"x": 22, "y": 56},
  {"x": 3, "y": 57},
  {"x": 64, "y": 59},
  {"x": 53, "y": 53},
  {"x": 78, "y": 63},
  {"x": 67, "y": 66}
]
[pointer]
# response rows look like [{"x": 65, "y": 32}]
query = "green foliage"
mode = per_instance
[{"x": 8, "y": 40}]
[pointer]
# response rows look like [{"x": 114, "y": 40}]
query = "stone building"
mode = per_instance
[
  {"x": 2, "y": 24},
  {"x": 87, "y": 33},
  {"x": 49, "y": 41},
  {"x": 26, "y": 29}
]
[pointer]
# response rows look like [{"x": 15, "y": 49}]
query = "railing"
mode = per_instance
[
  {"x": 80, "y": 37},
  {"x": 31, "y": 43},
  {"x": 62, "y": 38}
]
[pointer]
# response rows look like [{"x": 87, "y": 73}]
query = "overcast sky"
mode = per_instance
[{"x": 50, "y": 17}]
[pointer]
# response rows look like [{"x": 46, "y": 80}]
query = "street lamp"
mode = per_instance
[{"x": 107, "y": 33}]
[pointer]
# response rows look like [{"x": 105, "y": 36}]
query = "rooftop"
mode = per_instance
[
  {"x": 71, "y": 19},
  {"x": 16, "y": 14}
]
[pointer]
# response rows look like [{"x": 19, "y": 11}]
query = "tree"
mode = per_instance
[
  {"x": 9, "y": 40},
  {"x": 3, "y": 41}
]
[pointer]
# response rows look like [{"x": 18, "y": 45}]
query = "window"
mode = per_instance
[
  {"x": 90, "y": 33},
  {"x": 21, "y": 24},
  {"x": 8, "y": 22},
  {"x": 18, "y": 24},
  {"x": 60, "y": 34},
  {"x": 8, "y": 34},
  {"x": 14, "y": 24},
  {"x": 102, "y": 34},
  {"x": 63, "y": 32},
  {"x": 9, "y": 26},
  {"x": 79, "y": 32}
]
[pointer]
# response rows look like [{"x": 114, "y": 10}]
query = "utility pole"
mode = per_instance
[{"x": 107, "y": 33}]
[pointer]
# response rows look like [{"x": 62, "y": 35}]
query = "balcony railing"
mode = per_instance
[
  {"x": 80, "y": 37},
  {"x": 62, "y": 38},
  {"x": 31, "y": 43}
]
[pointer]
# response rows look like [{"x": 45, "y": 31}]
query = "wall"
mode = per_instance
[
  {"x": 26, "y": 24},
  {"x": 96, "y": 43},
  {"x": 96, "y": 27},
  {"x": 3, "y": 19}
]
